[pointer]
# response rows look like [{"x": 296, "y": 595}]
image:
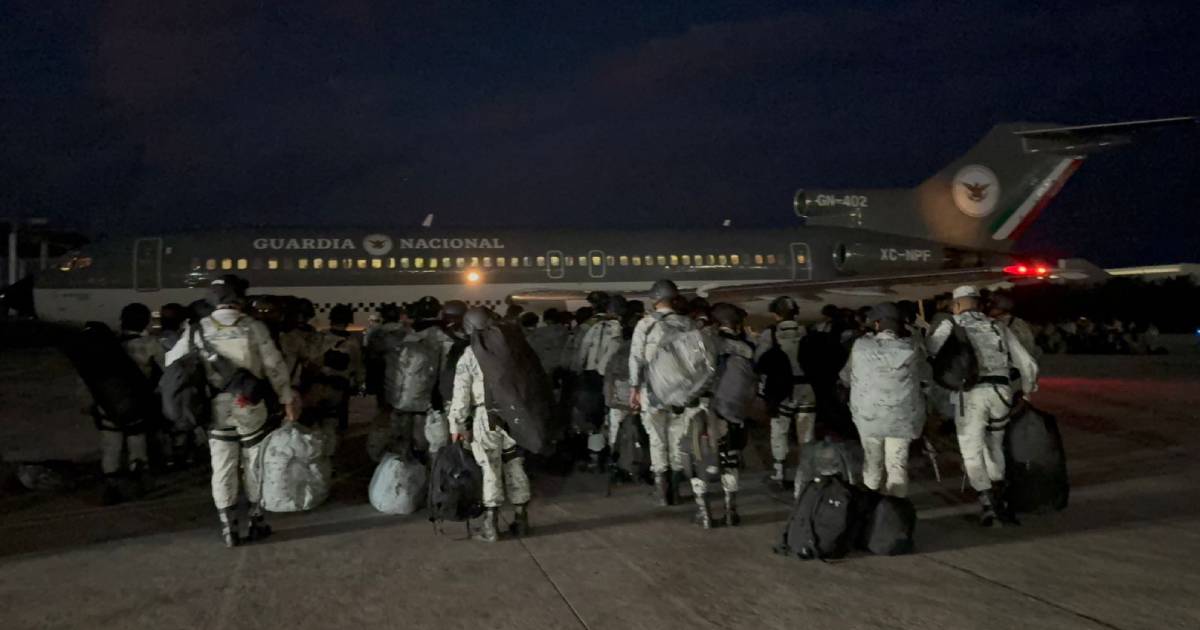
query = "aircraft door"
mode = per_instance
[
  {"x": 147, "y": 264},
  {"x": 554, "y": 264},
  {"x": 801, "y": 262},
  {"x": 596, "y": 267}
]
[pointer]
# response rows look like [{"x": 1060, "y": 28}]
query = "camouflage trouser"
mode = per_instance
[
  {"x": 801, "y": 408},
  {"x": 980, "y": 424},
  {"x": 502, "y": 464},
  {"x": 115, "y": 442},
  {"x": 728, "y": 460},
  {"x": 890, "y": 454},
  {"x": 235, "y": 443},
  {"x": 667, "y": 431},
  {"x": 615, "y": 418}
]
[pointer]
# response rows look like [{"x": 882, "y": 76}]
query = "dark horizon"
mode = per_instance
[{"x": 140, "y": 117}]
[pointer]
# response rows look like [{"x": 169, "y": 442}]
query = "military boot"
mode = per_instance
[
  {"x": 1004, "y": 511},
  {"x": 661, "y": 488},
  {"x": 229, "y": 527},
  {"x": 520, "y": 526},
  {"x": 776, "y": 480},
  {"x": 732, "y": 518},
  {"x": 259, "y": 530},
  {"x": 987, "y": 512},
  {"x": 487, "y": 529},
  {"x": 703, "y": 517}
]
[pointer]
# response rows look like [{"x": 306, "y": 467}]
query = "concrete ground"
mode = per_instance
[{"x": 1123, "y": 555}]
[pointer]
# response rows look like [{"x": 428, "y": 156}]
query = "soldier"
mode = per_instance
[
  {"x": 601, "y": 341},
  {"x": 238, "y": 356},
  {"x": 982, "y": 412},
  {"x": 1000, "y": 308},
  {"x": 667, "y": 426},
  {"x": 496, "y": 451},
  {"x": 884, "y": 374},
  {"x": 729, "y": 433},
  {"x": 800, "y": 409},
  {"x": 341, "y": 366}
]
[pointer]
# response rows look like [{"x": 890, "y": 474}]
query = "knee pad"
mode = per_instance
[
  {"x": 510, "y": 454},
  {"x": 730, "y": 459}
]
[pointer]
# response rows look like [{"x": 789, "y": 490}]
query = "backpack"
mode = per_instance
[
  {"x": 821, "y": 524},
  {"x": 956, "y": 366},
  {"x": 632, "y": 447},
  {"x": 411, "y": 375},
  {"x": 379, "y": 343},
  {"x": 587, "y": 399},
  {"x": 888, "y": 526},
  {"x": 734, "y": 389},
  {"x": 616, "y": 379},
  {"x": 517, "y": 390},
  {"x": 184, "y": 393},
  {"x": 775, "y": 367},
  {"x": 1035, "y": 463},
  {"x": 445, "y": 387},
  {"x": 398, "y": 485},
  {"x": 455, "y": 485},
  {"x": 683, "y": 363},
  {"x": 117, "y": 385}
]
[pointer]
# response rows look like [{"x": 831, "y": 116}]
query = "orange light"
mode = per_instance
[
  {"x": 1041, "y": 271},
  {"x": 473, "y": 277}
]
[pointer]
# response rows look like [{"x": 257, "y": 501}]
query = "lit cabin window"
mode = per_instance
[
  {"x": 698, "y": 260},
  {"x": 735, "y": 260},
  {"x": 570, "y": 261},
  {"x": 474, "y": 262},
  {"x": 347, "y": 263},
  {"x": 623, "y": 261},
  {"x": 211, "y": 264},
  {"x": 723, "y": 260},
  {"x": 674, "y": 260},
  {"x": 419, "y": 262},
  {"x": 583, "y": 260},
  {"x": 272, "y": 263},
  {"x": 686, "y": 260},
  {"x": 362, "y": 263},
  {"x": 302, "y": 263},
  {"x": 445, "y": 262},
  {"x": 758, "y": 259},
  {"x": 771, "y": 260},
  {"x": 333, "y": 263},
  {"x": 555, "y": 261},
  {"x": 433, "y": 263},
  {"x": 516, "y": 262},
  {"x": 637, "y": 261},
  {"x": 318, "y": 263},
  {"x": 404, "y": 263},
  {"x": 609, "y": 261},
  {"x": 801, "y": 259},
  {"x": 226, "y": 264},
  {"x": 662, "y": 261},
  {"x": 500, "y": 261},
  {"x": 487, "y": 261},
  {"x": 288, "y": 264},
  {"x": 541, "y": 261},
  {"x": 243, "y": 264},
  {"x": 460, "y": 262},
  {"x": 712, "y": 260},
  {"x": 377, "y": 263}
]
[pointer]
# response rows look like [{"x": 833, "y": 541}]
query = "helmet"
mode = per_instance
[
  {"x": 427, "y": 307},
  {"x": 699, "y": 306},
  {"x": 884, "y": 312},
  {"x": 389, "y": 313},
  {"x": 477, "y": 319},
  {"x": 1001, "y": 302},
  {"x": 617, "y": 306},
  {"x": 135, "y": 317},
  {"x": 598, "y": 299},
  {"x": 306, "y": 309},
  {"x": 784, "y": 307},
  {"x": 454, "y": 310},
  {"x": 341, "y": 315},
  {"x": 663, "y": 290},
  {"x": 727, "y": 314}
]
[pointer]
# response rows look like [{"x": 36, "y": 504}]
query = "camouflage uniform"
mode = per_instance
[
  {"x": 667, "y": 428},
  {"x": 301, "y": 348},
  {"x": 982, "y": 411},
  {"x": 335, "y": 385},
  {"x": 403, "y": 432},
  {"x": 801, "y": 407},
  {"x": 238, "y": 429},
  {"x": 494, "y": 449},
  {"x": 129, "y": 440}
]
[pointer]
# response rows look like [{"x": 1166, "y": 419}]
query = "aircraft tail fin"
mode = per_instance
[{"x": 987, "y": 198}]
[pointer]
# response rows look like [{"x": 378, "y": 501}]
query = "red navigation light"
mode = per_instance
[
  {"x": 1037, "y": 270},
  {"x": 1042, "y": 270}
]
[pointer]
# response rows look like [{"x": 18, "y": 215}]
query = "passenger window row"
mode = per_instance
[{"x": 433, "y": 263}]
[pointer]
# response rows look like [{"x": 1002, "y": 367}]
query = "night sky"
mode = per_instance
[{"x": 126, "y": 116}]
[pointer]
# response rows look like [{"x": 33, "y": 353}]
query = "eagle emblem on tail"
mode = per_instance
[{"x": 976, "y": 192}]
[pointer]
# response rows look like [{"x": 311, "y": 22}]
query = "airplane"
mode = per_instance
[{"x": 852, "y": 247}]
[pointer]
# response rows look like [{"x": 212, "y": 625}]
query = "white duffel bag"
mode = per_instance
[
  {"x": 296, "y": 470},
  {"x": 437, "y": 432},
  {"x": 398, "y": 486}
]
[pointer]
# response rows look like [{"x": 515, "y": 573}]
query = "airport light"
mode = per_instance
[
  {"x": 1035, "y": 270},
  {"x": 474, "y": 277}
]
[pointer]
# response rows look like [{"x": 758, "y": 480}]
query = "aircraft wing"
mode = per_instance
[
  {"x": 882, "y": 285},
  {"x": 1084, "y": 138}
]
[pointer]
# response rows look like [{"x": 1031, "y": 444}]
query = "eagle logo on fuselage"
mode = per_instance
[
  {"x": 976, "y": 191},
  {"x": 377, "y": 244}
]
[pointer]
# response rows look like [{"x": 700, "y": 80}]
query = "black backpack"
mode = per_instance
[
  {"x": 184, "y": 389},
  {"x": 116, "y": 383},
  {"x": 823, "y": 521},
  {"x": 734, "y": 388},
  {"x": 955, "y": 365},
  {"x": 587, "y": 399},
  {"x": 888, "y": 525},
  {"x": 455, "y": 485},
  {"x": 1035, "y": 463},
  {"x": 775, "y": 367},
  {"x": 633, "y": 447},
  {"x": 517, "y": 389}
]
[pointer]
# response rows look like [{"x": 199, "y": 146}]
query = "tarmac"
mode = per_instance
[{"x": 1122, "y": 555}]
